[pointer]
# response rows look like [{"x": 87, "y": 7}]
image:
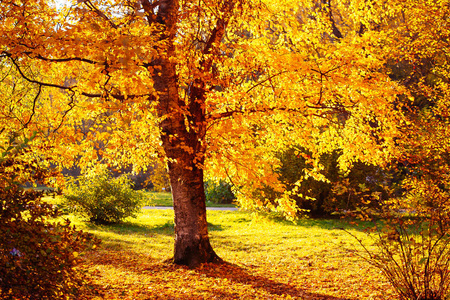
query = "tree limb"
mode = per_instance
[
  {"x": 217, "y": 33},
  {"x": 99, "y": 13},
  {"x": 149, "y": 10},
  {"x": 227, "y": 114},
  {"x": 67, "y": 59},
  {"x": 71, "y": 106},
  {"x": 336, "y": 32},
  {"x": 265, "y": 80},
  {"x": 73, "y": 87},
  {"x": 34, "y": 107}
]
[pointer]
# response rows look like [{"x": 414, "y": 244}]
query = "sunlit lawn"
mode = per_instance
[
  {"x": 165, "y": 199},
  {"x": 268, "y": 259},
  {"x": 150, "y": 199}
]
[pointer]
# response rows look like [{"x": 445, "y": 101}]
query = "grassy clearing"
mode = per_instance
[
  {"x": 165, "y": 199},
  {"x": 150, "y": 199},
  {"x": 268, "y": 259},
  {"x": 158, "y": 199}
]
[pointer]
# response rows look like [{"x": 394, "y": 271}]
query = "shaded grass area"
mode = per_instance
[
  {"x": 266, "y": 259},
  {"x": 150, "y": 199},
  {"x": 165, "y": 199}
]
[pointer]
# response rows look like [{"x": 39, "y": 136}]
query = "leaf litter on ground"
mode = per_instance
[{"x": 266, "y": 258}]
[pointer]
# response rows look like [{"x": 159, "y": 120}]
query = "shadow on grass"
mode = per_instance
[
  {"x": 170, "y": 279},
  {"x": 240, "y": 275},
  {"x": 134, "y": 228},
  {"x": 142, "y": 229}
]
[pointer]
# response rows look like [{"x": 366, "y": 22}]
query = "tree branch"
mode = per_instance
[
  {"x": 265, "y": 80},
  {"x": 99, "y": 13},
  {"x": 71, "y": 106},
  {"x": 217, "y": 34},
  {"x": 251, "y": 111},
  {"x": 336, "y": 32},
  {"x": 39, "y": 56},
  {"x": 149, "y": 10},
  {"x": 197, "y": 90},
  {"x": 34, "y": 107},
  {"x": 38, "y": 82},
  {"x": 362, "y": 29},
  {"x": 72, "y": 88},
  {"x": 67, "y": 59},
  {"x": 331, "y": 109}
]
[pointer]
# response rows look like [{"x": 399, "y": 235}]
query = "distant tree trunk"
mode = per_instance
[{"x": 183, "y": 131}]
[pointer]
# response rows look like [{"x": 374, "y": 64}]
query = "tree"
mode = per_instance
[
  {"x": 412, "y": 247},
  {"x": 215, "y": 85}
]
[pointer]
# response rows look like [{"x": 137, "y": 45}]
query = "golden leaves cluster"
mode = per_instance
[{"x": 285, "y": 72}]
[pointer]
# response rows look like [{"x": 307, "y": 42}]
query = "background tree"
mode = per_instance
[
  {"x": 213, "y": 85},
  {"x": 333, "y": 192},
  {"x": 412, "y": 246}
]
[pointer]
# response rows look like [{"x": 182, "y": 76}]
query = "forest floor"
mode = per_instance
[{"x": 267, "y": 258}]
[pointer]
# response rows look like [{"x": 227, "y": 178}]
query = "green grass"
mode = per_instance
[
  {"x": 269, "y": 259},
  {"x": 165, "y": 199},
  {"x": 158, "y": 198},
  {"x": 150, "y": 199},
  {"x": 315, "y": 257}
]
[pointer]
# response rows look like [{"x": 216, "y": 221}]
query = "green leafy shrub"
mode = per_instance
[
  {"x": 103, "y": 199},
  {"x": 319, "y": 198},
  {"x": 219, "y": 193},
  {"x": 38, "y": 255}
]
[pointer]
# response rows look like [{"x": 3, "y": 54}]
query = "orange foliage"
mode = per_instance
[
  {"x": 269, "y": 83},
  {"x": 219, "y": 85}
]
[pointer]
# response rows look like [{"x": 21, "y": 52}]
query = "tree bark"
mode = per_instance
[
  {"x": 192, "y": 246},
  {"x": 185, "y": 150},
  {"x": 183, "y": 129}
]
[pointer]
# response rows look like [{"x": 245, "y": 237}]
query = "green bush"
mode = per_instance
[
  {"x": 219, "y": 193},
  {"x": 103, "y": 199},
  {"x": 38, "y": 255},
  {"x": 320, "y": 198}
]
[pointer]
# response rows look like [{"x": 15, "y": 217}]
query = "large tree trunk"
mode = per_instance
[
  {"x": 184, "y": 146},
  {"x": 192, "y": 245},
  {"x": 185, "y": 150},
  {"x": 183, "y": 129}
]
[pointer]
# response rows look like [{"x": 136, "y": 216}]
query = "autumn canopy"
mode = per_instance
[{"x": 216, "y": 87}]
